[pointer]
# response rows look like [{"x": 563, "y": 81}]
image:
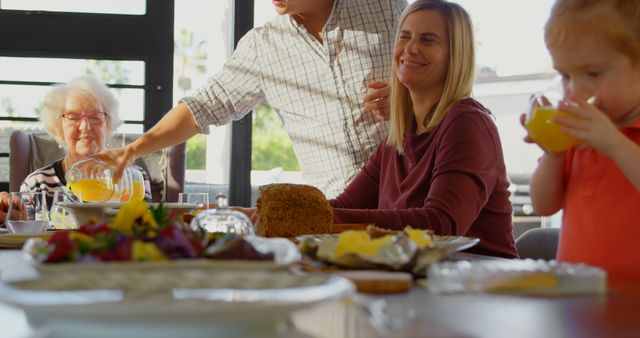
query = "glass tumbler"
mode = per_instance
[
  {"x": 27, "y": 213},
  {"x": 542, "y": 126}
]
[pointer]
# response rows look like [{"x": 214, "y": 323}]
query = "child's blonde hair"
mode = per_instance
[
  {"x": 616, "y": 21},
  {"x": 460, "y": 73}
]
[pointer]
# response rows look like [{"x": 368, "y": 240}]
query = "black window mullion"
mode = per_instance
[{"x": 240, "y": 173}]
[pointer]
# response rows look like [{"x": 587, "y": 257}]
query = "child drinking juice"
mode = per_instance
[{"x": 595, "y": 46}]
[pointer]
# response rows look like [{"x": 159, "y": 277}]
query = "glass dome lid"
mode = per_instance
[{"x": 223, "y": 220}]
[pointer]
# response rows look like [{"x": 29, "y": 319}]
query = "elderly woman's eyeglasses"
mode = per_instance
[{"x": 74, "y": 119}]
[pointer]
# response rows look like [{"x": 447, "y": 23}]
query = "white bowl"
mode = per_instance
[
  {"x": 103, "y": 212},
  {"x": 83, "y": 212}
]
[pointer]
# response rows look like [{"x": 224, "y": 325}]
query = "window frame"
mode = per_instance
[
  {"x": 26, "y": 33},
  {"x": 241, "y": 131}
]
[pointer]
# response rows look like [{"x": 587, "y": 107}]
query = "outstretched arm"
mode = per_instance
[{"x": 177, "y": 126}]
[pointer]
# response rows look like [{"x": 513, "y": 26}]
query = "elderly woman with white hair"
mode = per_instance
[{"x": 81, "y": 115}]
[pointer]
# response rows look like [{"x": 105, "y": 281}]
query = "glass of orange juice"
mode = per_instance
[
  {"x": 137, "y": 185},
  {"x": 123, "y": 188},
  {"x": 542, "y": 126}
]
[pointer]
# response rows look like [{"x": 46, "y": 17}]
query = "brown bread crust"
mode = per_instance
[{"x": 290, "y": 210}]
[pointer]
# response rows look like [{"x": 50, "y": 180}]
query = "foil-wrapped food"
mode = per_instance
[{"x": 411, "y": 250}]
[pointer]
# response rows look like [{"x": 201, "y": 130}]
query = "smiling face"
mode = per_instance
[
  {"x": 84, "y": 138},
  {"x": 590, "y": 66},
  {"x": 421, "y": 52}
]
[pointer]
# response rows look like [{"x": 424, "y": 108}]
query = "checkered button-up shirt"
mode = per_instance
[{"x": 317, "y": 88}]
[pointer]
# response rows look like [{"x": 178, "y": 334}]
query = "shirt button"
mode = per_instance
[{"x": 410, "y": 165}]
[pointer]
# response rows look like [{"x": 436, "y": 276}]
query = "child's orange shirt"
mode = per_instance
[{"x": 601, "y": 223}]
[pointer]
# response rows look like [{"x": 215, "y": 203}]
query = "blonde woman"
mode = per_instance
[{"x": 441, "y": 167}]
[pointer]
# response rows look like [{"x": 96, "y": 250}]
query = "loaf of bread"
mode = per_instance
[{"x": 289, "y": 210}]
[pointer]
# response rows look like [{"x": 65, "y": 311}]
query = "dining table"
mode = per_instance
[{"x": 419, "y": 312}]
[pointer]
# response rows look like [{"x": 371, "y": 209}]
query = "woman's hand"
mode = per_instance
[
  {"x": 377, "y": 101},
  {"x": 119, "y": 157},
  {"x": 591, "y": 126},
  {"x": 18, "y": 207},
  {"x": 4, "y": 205}
]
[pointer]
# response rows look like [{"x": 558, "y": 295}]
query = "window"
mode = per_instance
[
  {"x": 25, "y": 82},
  {"x": 202, "y": 44},
  {"x": 512, "y": 63},
  {"x": 43, "y": 48},
  {"x": 78, "y": 6}
]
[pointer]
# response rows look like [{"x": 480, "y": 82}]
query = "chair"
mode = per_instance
[
  {"x": 29, "y": 151},
  {"x": 538, "y": 243}
]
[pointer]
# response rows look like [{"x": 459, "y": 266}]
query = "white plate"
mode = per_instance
[
  {"x": 284, "y": 252},
  {"x": 190, "y": 302},
  {"x": 16, "y": 241},
  {"x": 83, "y": 212},
  {"x": 221, "y": 264},
  {"x": 450, "y": 244}
]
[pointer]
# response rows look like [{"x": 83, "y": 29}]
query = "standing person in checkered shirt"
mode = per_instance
[{"x": 322, "y": 65}]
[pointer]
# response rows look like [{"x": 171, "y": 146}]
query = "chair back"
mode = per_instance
[
  {"x": 29, "y": 151},
  {"x": 538, "y": 243}
]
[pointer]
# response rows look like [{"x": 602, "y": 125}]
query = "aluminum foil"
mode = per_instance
[{"x": 400, "y": 254}]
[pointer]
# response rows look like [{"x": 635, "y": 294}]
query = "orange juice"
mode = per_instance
[
  {"x": 123, "y": 196},
  {"x": 138, "y": 191},
  {"x": 92, "y": 190},
  {"x": 546, "y": 132}
]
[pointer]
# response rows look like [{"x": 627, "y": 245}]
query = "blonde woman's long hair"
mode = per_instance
[{"x": 460, "y": 73}]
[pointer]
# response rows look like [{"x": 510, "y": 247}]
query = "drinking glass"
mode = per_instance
[
  {"x": 122, "y": 190},
  {"x": 137, "y": 182},
  {"x": 542, "y": 126},
  {"x": 61, "y": 217},
  {"x": 27, "y": 213},
  {"x": 200, "y": 198}
]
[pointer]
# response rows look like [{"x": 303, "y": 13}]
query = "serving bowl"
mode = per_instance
[{"x": 104, "y": 212}]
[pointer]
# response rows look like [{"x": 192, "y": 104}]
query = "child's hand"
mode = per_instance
[
  {"x": 528, "y": 139},
  {"x": 535, "y": 101},
  {"x": 523, "y": 120},
  {"x": 592, "y": 126}
]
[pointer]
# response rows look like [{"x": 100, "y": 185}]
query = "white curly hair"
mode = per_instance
[{"x": 54, "y": 105}]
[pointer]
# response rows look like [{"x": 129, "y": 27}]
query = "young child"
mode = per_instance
[{"x": 595, "y": 46}]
